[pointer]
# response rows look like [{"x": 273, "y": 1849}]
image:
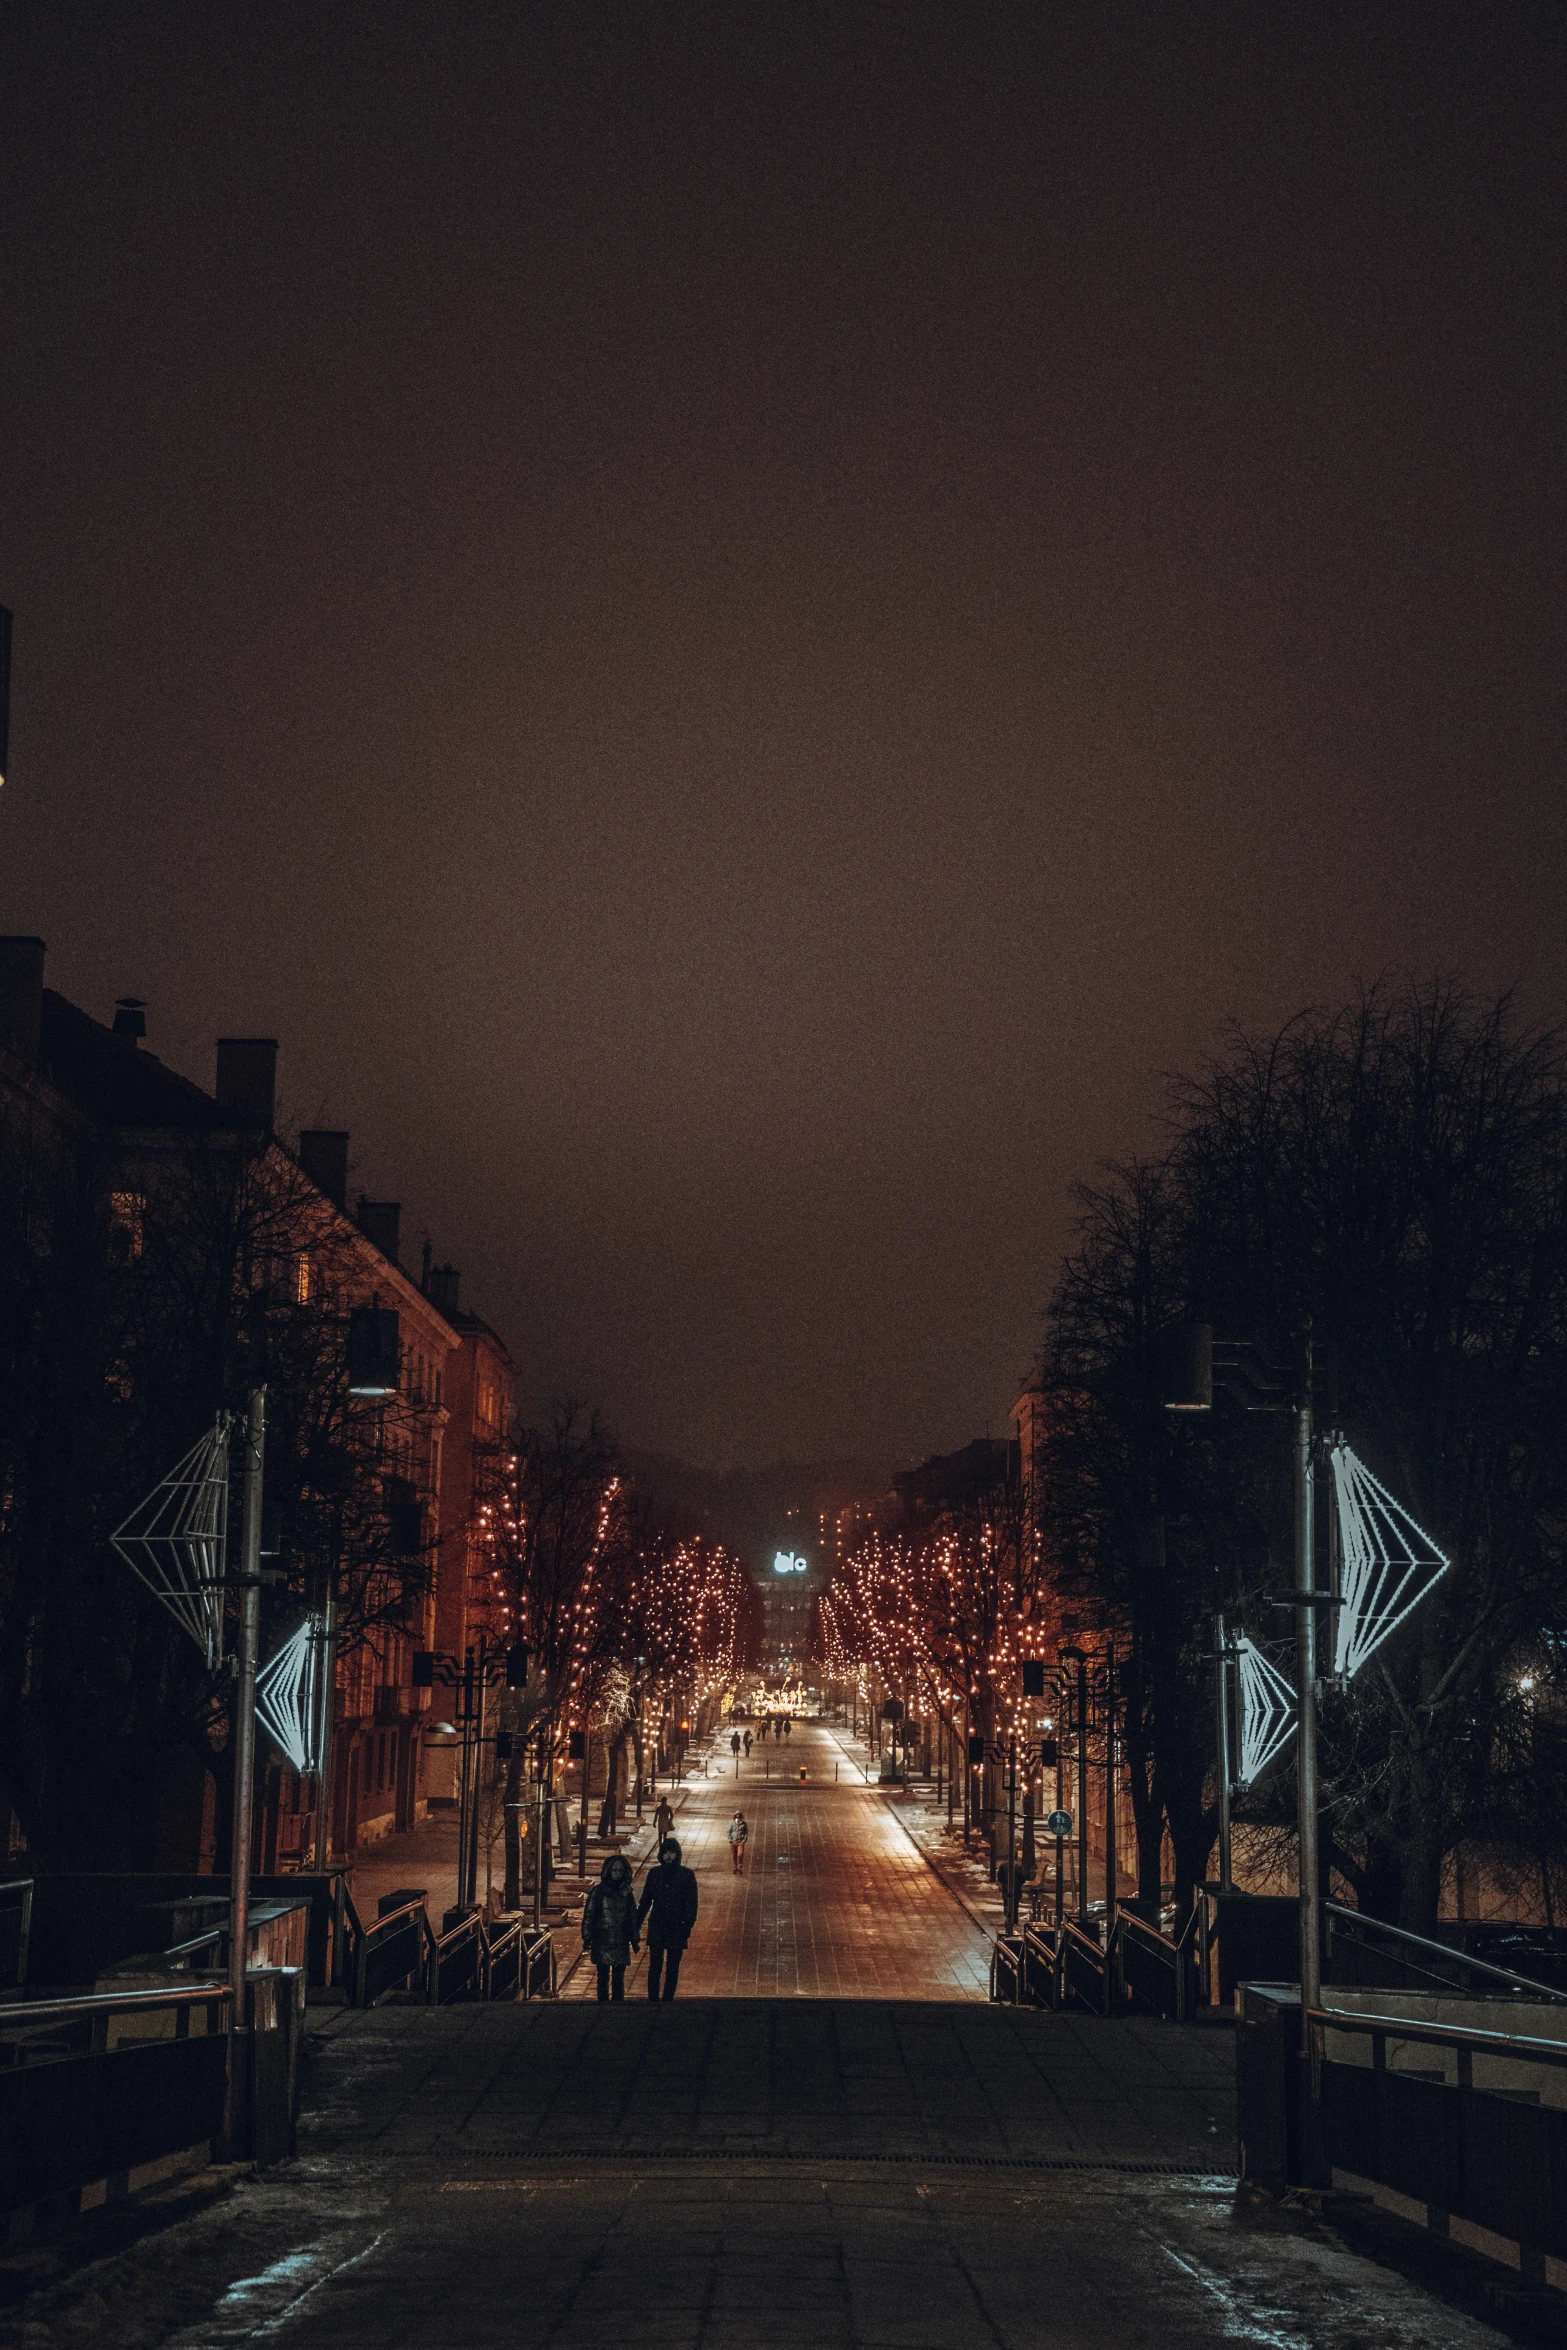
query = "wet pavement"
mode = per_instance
[{"x": 896, "y": 2166}]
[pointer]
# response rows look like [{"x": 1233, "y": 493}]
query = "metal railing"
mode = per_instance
[
  {"x": 403, "y": 1952},
  {"x": 389, "y": 1953},
  {"x": 1135, "y": 1967},
  {"x": 1368, "y": 1926},
  {"x": 91, "y": 2012},
  {"x": 1467, "y": 2040},
  {"x": 455, "y": 1967}
]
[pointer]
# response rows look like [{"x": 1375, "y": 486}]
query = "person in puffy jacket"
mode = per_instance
[
  {"x": 668, "y": 1904},
  {"x": 609, "y": 1926}
]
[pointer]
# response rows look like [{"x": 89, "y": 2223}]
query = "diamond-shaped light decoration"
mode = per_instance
[
  {"x": 1267, "y": 1711},
  {"x": 1389, "y": 1563},
  {"x": 177, "y": 1539},
  {"x": 289, "y": 1692}
]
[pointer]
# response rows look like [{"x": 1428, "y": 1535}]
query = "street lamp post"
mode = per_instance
[
  {"x": 1221, "y": 1669},
  {"x": 238, "y": 2077}
]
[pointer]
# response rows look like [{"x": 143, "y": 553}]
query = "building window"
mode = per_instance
[{"x": 304, "y": 1278}]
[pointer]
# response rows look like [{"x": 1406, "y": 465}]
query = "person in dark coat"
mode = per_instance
[
  {"x": 669, "y": 1905},
  {"x": 609, "y": 1926}
]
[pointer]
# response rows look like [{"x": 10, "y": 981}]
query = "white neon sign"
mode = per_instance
[{"x": 788, "y": 1562}]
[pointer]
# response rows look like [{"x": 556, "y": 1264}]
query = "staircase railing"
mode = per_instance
[{"x": 1354, "y": 1928}]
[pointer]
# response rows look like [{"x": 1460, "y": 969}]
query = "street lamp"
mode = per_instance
[{"x": 1190, "y": 1362}]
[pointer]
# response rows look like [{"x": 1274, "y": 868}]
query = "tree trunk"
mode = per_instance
[{"x": 609, "y": 1815}]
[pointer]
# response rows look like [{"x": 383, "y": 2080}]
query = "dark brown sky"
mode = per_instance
[{"x": 737, "y": 622}]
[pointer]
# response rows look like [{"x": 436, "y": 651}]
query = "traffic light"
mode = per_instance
[
  {"x": 976, "y": 1750},
  {"x": 1049, "y": 1753},
  {"x": 503, "y": 1746},
  {"x": 576, "y": 1745},
  {"x": 1033, "y": 1676},
  {"x": 424, "y": 1668},
  {"x": 516, "y": 1668}
]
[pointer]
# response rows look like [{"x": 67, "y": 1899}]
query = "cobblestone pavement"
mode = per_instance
[{"x": 835, "y": 1902}]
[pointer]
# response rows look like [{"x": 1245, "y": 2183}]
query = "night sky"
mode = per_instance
[{"x": 737, "y": 623}]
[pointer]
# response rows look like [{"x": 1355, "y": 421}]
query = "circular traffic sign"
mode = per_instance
[{"x": 1058, "y": 1823}]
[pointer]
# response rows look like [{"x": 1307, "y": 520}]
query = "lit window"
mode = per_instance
[{"x": 304, "y": 1279}]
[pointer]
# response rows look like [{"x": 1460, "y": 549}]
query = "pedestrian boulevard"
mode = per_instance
[{"x": 835, "y": 1901}]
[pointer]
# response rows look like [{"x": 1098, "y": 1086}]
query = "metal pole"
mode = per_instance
[
  {"x": 1082, "y": 1791},
  {"x": 1306, "y": 1742},
  {"x": 235, "y": 2132},
  {"x": 582, "y": 1823},
  {"x": 1060, "y": 1840},
  {"x": 471, "y": 1895},
  {"x": 1112, "y": 1874},
  {"x": 538, "y": 1840},
  {"x": 1306, "y": 1658},
  {"x": 1221, "y": 1670},
  {"x": 1011, "y": 1900},
  {"x": 323, "y": 1840}
]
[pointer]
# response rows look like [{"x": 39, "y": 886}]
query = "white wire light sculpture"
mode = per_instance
[
  {"x": 177, "y": 1540},
  {"x": 289, "y": 1694},
  {"x": 1266, "y": 1711},
  {"x": 1389, "y": 1563}
]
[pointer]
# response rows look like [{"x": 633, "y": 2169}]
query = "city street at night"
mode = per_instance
[{"x": 783, "y": 1175}]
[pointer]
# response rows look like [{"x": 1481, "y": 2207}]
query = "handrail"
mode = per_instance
[
  {"x": 106, "y": 2003},
  {"x": 377, "y": 1925},
  {"x": 1397, "y": 2027},
  {"x": 1127, "y": 1920},
  {"x": 464, "y": 1929},
  {"x": 1483, "y": 1966}
]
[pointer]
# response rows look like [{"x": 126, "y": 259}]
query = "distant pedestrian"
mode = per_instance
[
  {"x": 663, "y": 1819},
  {"x": 786, "y": 1725},
  {"x": 668, "y": 1903},
  {"x": 748, "y": 1746},
  {"x": 609, "y": 1926},
  {"x": 738, "y": 1832},
  {"x": 734, "y": 1743}
]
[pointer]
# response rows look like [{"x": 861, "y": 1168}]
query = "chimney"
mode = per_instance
[
  {"x": 130, "y": 1020},
  {"x": 323, "y": 1154},
  {"x": 21, "y": 996},
  {"x": 378, "y": 1220},
  {"x": 441, "y": 1288},
  {"x": 247, "y": 1078}
]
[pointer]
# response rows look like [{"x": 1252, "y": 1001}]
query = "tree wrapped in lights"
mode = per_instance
[
  {"x": 942, "y": 1611},
  {"x": 614, "y": 1611}
]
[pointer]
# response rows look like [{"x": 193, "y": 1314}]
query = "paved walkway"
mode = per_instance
[
  {"x": 810, "y": 2175},
  {"x": 835, "y": 1902}
]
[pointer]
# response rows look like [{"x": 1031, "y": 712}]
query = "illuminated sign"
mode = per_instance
[{"x": 785, "y": 1562}]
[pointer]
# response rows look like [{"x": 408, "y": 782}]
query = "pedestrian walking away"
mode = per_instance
[
  {"x": 786, "y": 1725},
  {"x": 734, "y": 1743},
  {"x": 609, "y": 1926},
  {"x": 738, "y": 1832},
  {"x": 663, "y": 1819},
  {"x": 668, "y": 1905},
  {"x": 748, "y": 1746}
]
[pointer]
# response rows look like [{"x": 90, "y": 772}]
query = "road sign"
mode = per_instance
[{"x": 1058, "y": 1823}]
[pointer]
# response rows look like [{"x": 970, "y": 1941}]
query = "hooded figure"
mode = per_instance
[
  {"x": 609, "y": 1926},
  {"x": 669, "y": 1905}
]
